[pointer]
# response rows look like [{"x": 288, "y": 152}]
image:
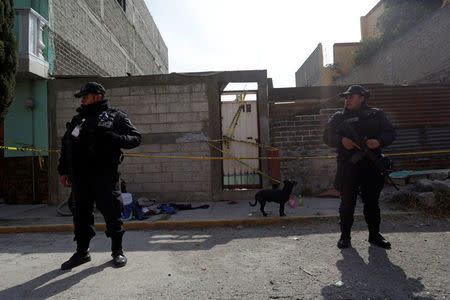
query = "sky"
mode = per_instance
[{"x": 273, "y": 35}]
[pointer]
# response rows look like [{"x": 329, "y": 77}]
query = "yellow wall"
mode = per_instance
[
  {"x": 328, "y": 74},
  {"x": 369, "y": 21},
  {"x": 343, "y": 56}
]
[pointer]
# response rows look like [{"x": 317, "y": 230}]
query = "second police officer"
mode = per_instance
[{"x": 361, "y": 177}]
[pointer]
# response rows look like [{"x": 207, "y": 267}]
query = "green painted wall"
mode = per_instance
[
  {"x": 16, "y": 29},
  {"x": 19, "y": 126},
  {"x": 23, "y": 126},
  {"x": 22, "y": 3},
  {"x": 41, "y": 6}
]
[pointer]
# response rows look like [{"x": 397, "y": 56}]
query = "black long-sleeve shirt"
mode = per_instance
[
  {"x": 102, "y": 132},
  {"x": 370, "y": 123}
]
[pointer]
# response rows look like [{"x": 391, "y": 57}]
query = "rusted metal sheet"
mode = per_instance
[
  {"x": 274, "y": 166},
  {"x": 420, "y": 140},
  {"x": 420, "y": 113},
  {"x": 414, "y": 106}
]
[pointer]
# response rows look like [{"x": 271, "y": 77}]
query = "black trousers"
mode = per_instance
[
  {"x": 100, "y": 186},
  {"x": 364, "y": 180}
]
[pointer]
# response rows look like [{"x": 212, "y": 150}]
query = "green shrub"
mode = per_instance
[
  {"x": 366, "y": 49},
  {"x": 398, "y": 17}
]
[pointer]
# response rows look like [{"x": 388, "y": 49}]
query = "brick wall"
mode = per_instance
[
  {"x": 302, "y": 136},
  {"x": 421, "y": 55},
  {"x": 72, "y": 61},
  {"x": 18, "y": 172},
  {"x": 99, "y": 38}
]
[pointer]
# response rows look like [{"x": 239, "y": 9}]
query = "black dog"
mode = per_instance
[{"x": 279, "y": 196}]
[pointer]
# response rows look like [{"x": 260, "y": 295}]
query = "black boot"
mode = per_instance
[
  {"x": 344, "y": 243},
  {"x": 119, "y": 259},
  {"x": 378, "y": 240},
  {"x": 77, "y": 259}
]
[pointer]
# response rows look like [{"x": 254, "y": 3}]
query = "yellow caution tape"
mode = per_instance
[
  {"x": 18, "y": 143},
  {"x": 41, "y": 160},
  {"x": 245, "y": 164},
  {"x": 229, "y": 157},
  {"x": 418, "y": 153},
  {"x": 226, "y": 139},
  {"x": 27, "y": 149},
  {"x": 235, "y": 120}
]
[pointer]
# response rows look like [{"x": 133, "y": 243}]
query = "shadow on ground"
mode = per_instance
[
  {"x": 46, "y": 285},
  {"x": 377, "y": 279}
]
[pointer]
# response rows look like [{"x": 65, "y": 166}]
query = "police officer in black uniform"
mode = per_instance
[
  {"x": 89, "y": 161},
  {"x": 359, "y": 177}
]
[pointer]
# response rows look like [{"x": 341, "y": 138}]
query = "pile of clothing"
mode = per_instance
[{"x": 142, "y": 208}]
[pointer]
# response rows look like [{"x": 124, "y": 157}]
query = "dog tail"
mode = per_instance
[{"x": 256, "y": 201}]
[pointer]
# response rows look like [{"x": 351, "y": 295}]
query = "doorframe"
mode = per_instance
[
  {"x": 214, "y": 91},
  {"x": 243, "y": 186}
]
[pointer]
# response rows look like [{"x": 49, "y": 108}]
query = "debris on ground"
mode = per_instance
[
  {"x": 339, "y": 284},
  {"x": 427, "y": 190}
]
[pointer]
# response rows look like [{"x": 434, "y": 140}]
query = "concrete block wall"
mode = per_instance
[
  {"x": 421, "y": 55},
  {"x": 310, "y": 72},
  {"x": 99, "y": 38},
  {"x": 176, "y": 114},
  {"x": 173, "y": 120},
  {"x": 302, "y": 136}
]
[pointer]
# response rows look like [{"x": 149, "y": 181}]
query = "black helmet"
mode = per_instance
[
  {"x": 356, "y": 89},
  {"x": 91, "y": 88}
]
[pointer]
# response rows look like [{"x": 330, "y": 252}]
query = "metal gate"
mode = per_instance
[{"x": 235, "y": 174}]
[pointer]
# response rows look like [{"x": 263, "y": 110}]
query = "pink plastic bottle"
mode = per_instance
[{"x": 291, "y": 203}]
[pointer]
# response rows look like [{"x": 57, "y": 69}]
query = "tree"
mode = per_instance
[{"x": 8, "y": 56}]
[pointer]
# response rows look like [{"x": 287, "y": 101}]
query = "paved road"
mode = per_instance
[{"x": 295, "y": 261}]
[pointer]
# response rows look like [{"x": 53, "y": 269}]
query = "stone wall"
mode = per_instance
[
  {"x": 421, "y": 55},
  {"x": 99, "y": 38}
]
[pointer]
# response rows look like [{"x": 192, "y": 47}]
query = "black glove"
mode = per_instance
[{"x": 110, "y": 136}]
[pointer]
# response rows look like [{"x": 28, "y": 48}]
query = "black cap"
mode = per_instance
[
  {"x": 91, "y": 88},
  {"x": 356, "y": 89}
]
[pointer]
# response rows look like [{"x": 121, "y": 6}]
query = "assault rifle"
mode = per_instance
[{"x": 383, "y": 164}]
